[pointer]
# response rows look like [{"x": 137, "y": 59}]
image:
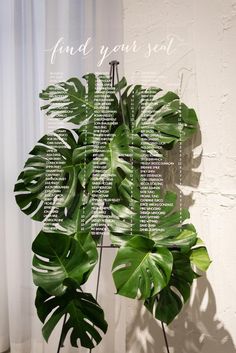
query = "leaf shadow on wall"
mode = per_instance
[{"x": 197, "y": 329}]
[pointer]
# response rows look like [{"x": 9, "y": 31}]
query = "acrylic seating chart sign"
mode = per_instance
[
  {"x": 118, "y": 176},
  {"x": 101, "y": 176}
]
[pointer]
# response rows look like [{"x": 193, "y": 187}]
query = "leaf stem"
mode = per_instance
[
  {"x": 165, "y": 337},
  {"x": 61, "y": 340},
  {"x": 99, "y": 272},
  {"x": 99, "y": 267}
]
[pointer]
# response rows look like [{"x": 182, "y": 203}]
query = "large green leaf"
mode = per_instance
[
  {"x": 59, "y": 257},
  {"x": 168, "y": 303},
  {"x": 85, "y": 318},
  {"x": 135, "y": 101},
  {"x": 140, "y": 269},
  {"x": 122, "y": 147},
  {"x": 74, "y": 102},
  {"x": 50, "y": 177},
  {"x": 170, "y": 231},
  {"x": 163, "y": 114}
]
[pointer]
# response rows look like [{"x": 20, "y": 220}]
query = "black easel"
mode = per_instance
[{"x": 113, "y": 74}]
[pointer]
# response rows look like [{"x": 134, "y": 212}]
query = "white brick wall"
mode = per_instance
[{"x": 206, "y": 31}]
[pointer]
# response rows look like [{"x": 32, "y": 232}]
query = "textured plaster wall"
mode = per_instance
[{"x": 202, "y": 69}]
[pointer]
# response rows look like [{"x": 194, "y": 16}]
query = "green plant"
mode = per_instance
[{"x": 154, "y": 264}]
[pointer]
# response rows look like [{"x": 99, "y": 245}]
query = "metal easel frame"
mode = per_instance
[{"x": 113, "y": 75}]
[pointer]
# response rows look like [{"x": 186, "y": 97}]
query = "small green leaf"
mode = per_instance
[
  {"x": 168, "y": 306},
  {"x": 200, "y": 258}
]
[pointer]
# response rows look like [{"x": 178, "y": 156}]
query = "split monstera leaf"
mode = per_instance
[{"x": 156, "y": 265}]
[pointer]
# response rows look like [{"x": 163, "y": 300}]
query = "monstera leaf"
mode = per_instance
[
  {"x": 38, "y": 189},
  {"x": 59, "y": 257},
  {"x": 199, "y": 256},
  {"x": 170, "y": 230},
  {"x": 165, "y": 116},
  {"x": 168, "y": 303},
  {"x": 85, "y": 318},
  {"x": 74, "y": 102},
  {"x": 140, "y": 269},
  {"x": 118, "y": 154}
]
